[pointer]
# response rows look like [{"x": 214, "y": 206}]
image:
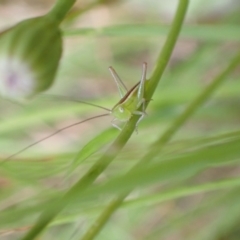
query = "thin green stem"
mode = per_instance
[
  {"x": 165, "y": 55},
  {"x": 162, "y": 61},
  {"x": 75, "y": 14},
  {"x": 60, "y": 9},
  {"x": 103, "y": 218},
  {"x": 197, "y": 102}
]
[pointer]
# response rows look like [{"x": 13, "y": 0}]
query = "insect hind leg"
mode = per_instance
[{"x": 142, "y": 114}]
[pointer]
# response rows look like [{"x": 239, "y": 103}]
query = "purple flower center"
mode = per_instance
[
  {"x": 16, "y": 79},
  {"x": 11, "y": 80}
]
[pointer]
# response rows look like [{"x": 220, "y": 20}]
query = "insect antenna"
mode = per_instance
[
  {"x": 54, "y": 133},
  {"x": 65, "y": 98}
]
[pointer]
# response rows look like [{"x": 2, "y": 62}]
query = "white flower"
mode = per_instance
[{"x": 17, "y": 81}]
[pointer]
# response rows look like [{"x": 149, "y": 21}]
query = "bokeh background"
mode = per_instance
[{"x": 124, "y": 34}]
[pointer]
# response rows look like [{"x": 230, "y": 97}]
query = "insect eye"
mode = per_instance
[{"x": 121, "y": 109}]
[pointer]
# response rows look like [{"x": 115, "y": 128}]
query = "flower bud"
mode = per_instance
[{"x": 29, "y": 56}]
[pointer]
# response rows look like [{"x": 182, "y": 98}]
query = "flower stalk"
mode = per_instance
[{"x": 60, "y": 10}]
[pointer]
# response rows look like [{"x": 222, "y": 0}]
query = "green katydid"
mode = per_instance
[
  {"x": 129, "y": 104},
  {"x": 130, "y": 100}
]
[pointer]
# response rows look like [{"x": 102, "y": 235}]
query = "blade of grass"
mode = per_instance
[
  {"x": 80, "y": 207},
  {"x": 157, "y": 198},
  {"x": 178, "y": 221},
  {"x": 200, "y": 32},
  {"x": 177, "y": 167},
  {"x": 168, "y": 169}
]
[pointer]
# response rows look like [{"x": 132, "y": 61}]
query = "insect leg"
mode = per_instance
[
  {"x": 141, "y": 88},
  {"x": 115, "y": 125},
  {"x": 140, "y": 96},
  {"x": 122, "y": 89},
  {"x": 142, "y": 115}
]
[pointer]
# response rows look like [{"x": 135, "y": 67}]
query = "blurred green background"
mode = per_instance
[{"x": 124, "y": 34}]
